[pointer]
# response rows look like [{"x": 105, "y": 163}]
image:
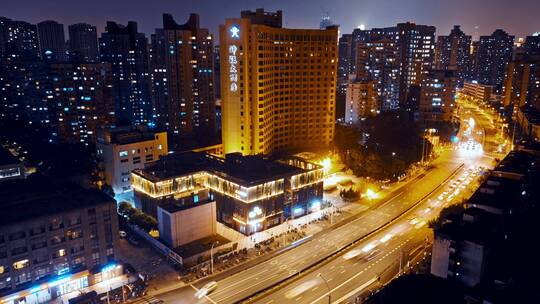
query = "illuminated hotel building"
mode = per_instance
[
  {"x": 54, "y": 240},
  {"x": 277, "y": 85},
  {"x": 252, "y": 193}
]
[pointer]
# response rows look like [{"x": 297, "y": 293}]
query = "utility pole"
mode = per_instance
[
  {"x": 327, "y": 286},
  {"x": 212, "y": 256},
  {"x": 400, "y": 259}
]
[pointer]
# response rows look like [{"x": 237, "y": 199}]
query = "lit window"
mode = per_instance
[
  {"x": 123, "y": 153},
  {"x": 2, "y": 269},
  {"x": 21, "y": 264},
  {"x": 61, "y": 252}
]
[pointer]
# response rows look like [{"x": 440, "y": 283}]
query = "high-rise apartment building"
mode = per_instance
[
  {"x": 184, "y": 98},
  {"x": 278, "y": 88},
  {"x": 416, "y": 54},
  {"x": 22, "y": 95},
  {"x": 217, "y": 73},
  {"x": 83, "y": 100},
  {"x": 362, "y": 101},
  {"x": 158, "y": 77},
  {"x": 18, "y": 39},
  {"x": 127, "y": 51},
  {"x": 453, "y": 52},
  {"x": 532, "y": 45},
  {"x": 52, "y": 41},
  {"x": 83, "y": 42},
  {"x": 345, "y": 68},
  {"x": 397, "y": 57},
  {"x": 437, "y": 93},
  {"x": 494, "y": 53},
  {"x": 377, "y": 60},
  {"x": 522, "y": 83}
]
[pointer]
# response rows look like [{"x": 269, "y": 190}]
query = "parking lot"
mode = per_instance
[{"x": 147, "y": 261}]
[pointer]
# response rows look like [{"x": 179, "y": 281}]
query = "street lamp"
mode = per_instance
[
  {"x": 327, "y": 286},
  {"x": 212, "y": 256}
]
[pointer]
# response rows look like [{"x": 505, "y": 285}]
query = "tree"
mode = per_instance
[{"x": 136, "y": 217}]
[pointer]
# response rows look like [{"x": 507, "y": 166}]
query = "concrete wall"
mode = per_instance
[
  {"x": 242, "y": 241},
  {"x": 117, "y": 170},
  {"x": 440, "y": 257},
  {"x": 190, "y": 224}
]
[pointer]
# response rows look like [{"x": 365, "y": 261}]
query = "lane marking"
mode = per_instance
[{"x": 206, "y": 296}]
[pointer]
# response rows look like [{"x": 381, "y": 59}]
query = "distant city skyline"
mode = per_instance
[{"x": 515, "y": 17}]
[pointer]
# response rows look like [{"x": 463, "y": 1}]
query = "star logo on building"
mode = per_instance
[{"x": 234, "y": 32}]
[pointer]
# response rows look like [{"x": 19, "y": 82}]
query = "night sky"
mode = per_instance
[{"x": 518, "y": 17}]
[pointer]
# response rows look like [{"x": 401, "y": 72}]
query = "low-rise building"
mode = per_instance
[
  {"x": 462, "y": 250},
  {"x": 10, "y": 167},
  {"x": 252, "y": 193},
  {"x": 528, "y": 120},
  {"x": 180, "y": 223},
  {"x": 54, "y": 240},
  {"x": 122, "y": 150},
  {"x": 477, "y": 91}
]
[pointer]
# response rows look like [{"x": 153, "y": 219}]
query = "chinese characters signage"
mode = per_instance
[
  {"x": 233, "y": 68},
  {"x": 233, "y": 60}
]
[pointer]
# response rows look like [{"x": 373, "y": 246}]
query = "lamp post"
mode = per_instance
[
  {"x": 327, "y": 286},
  {"x": 212, "y": 256}
]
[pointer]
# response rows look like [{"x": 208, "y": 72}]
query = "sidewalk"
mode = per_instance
[{"x": 347, "y": 212}]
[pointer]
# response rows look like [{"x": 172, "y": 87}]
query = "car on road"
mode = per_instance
[{"x": 206, "y": 289}]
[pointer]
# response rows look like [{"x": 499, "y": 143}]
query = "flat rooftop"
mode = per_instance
[
  {"x": 6, "y": 158},
  {"x": 173, "y": 207},
  {"x": 127, "y": 135},
  {"x": 484, "y": 231},
  {"x": 201, "y": 245},
  {"x": 516, "y": 162},
  {"x": 498, "y": 192},
  {"x": 39, "y": 197},
  {"x": 243, "y": 170}
]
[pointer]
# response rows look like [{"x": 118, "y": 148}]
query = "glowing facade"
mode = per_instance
[
  {"x": 278, "y": 85},
  {"x": 252, "y": 193}
]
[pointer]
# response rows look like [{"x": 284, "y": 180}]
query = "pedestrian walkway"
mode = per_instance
[
  {"x": 147, "y": 300},
  {"x": 307, "y": 224}
]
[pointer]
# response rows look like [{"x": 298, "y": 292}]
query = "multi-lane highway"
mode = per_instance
[
  {"x": 376, "y": 259},
  {"x": 382, "y": 236},
  {"x": 241, "y": 286}
]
